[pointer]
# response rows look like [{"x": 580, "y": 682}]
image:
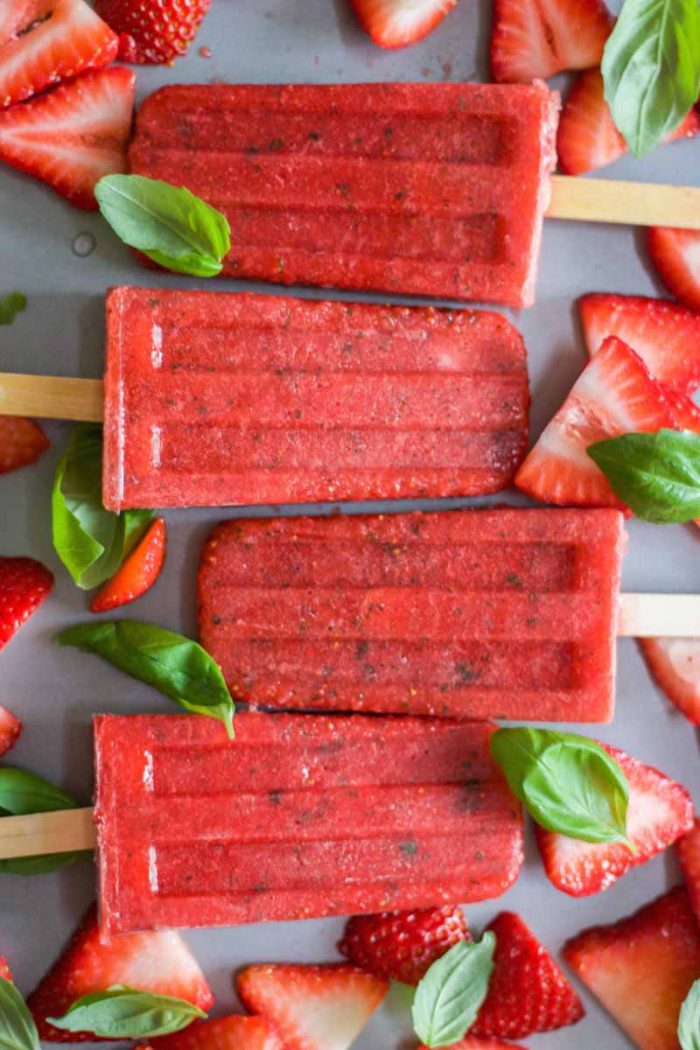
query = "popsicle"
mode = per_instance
[
  {"x": 421, "y": 189},
  {"x": 506, "y": 613},
  {"x": 301, "y": 816},
  {"x": 216, "y": 398}
]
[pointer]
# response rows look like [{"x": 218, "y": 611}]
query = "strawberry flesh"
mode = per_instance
[
  {"x": 24, "y": 584},
  {"x": 139, "y": 572},
  {"x": 399, "y": 23},
  {"x": 660, "y": 811},
  {"x": 153, "y": 31},
  {"x": 22, "y": 441},
  {"x": 235, "y": 1032},
  {"x": 676, "y": 257},
  {"x": 73, "y": 136},
  {"x": 534, "y": 39},
  {"x": 675, "y": 666},
  {"x": 688, "y": 852},
  {"x": 641, "y": 968},
  {"x": 527, "y": 992}
]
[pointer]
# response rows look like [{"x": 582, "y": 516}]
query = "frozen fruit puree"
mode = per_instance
[
  {"x": 423, "y": 189},
  {"x": 470, "y": 614},
  {"x": 214, "y": 398},
  {"x": 301, "y": 816}
]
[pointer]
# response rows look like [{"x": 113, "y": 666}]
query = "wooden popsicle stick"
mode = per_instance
[
  {"x": 51, "y": 397},
  {"x": 42, "y": 834},
  {"x": 659, "y": 616},
  {"x": 626, "y": 203}
]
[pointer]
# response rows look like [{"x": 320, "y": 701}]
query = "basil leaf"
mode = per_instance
[
  {"x": 656, "y": 475},
  {"x": 11, "y": 305},
  {"x": 651, "y": 69},
  {"x": 121, "y": 1012},
  {"x": 91, "y": 542},
  {"x": 17, "y": 1028},
  {"x": 21, "y": 793},
  {"x": 689, "y": 1020},
  {"x": 568, "y": 784},
  {"x": 450, "y": 994},
  {"x": 170, "y": 225},
  {"x": 173, "y": 664}
]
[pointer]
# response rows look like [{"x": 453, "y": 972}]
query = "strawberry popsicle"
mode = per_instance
[
  {"x": 421, "y": 189},
  {"x": 301, "y": 816},
  {"x": 215, "y": 398},
  {"x": 471, "y": 614}
]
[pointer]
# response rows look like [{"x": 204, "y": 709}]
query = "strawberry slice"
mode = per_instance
[
  {"x": 660, "y": 811},
  {"x": 676, "y": 258},
  {"x": 675, "y": 666},
  {"x": 44, "y": 41},
  {"x": 235, "y": 1032},
  {"x": 665, "y": 335},
  {"x": 5, "y": 969},
  {"x": 10, "y": 729},
  {"x": 312, "y": 1007},
  {"x": 688, "y": 851},
  {"x": 613, "y": 395},
  {"x": 24, "y": 584},
  {"x": 538, "y": 38},
  {"x": 22, "y": 441},
  {"x": 527, "y": 991},
  {"x": 398, "y": 23},
  {"x": 641, "y": 968},
  {"x": 587, "y": 137},
  {"x": 153, "y": 31},
  {"x": 402, "y": 945},
  {"x": 151, "y": 962},
  {"x": 139, "y": 572},
  {"x": 73, "y": 136},
  {"x": 472, "y": 1042}
]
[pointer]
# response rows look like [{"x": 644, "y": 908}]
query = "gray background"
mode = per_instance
[{"x": 56, "y": 691}]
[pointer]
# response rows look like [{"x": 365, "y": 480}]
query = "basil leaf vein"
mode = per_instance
[
  {"x": 172, "y": 226},
  {"x": 22, "y": 793},
  {"x": 449, "y": 996},
  {"x": 121, "y": 1012},
  {"x": 568, "y": 784},
  {"x": 656, "y": 475},
  {"x": 177, "y": 666},
  {"x": 689, "y": 1020},
  {"x": 17, "y": 1028}
]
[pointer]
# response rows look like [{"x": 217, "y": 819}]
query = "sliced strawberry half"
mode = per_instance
[
  {"x": 73, "y": 136},
  {"x": 676, "y": 258},
  {"x": 641, "y": 968},
  {"x": 151, "y": 962},
  {"x": 10, "y": 729},
  {"x": 397, "y": 23},
  {"x": 24, "y": 585},
  {"x": 138, "y": 573},
  {"x": 473, "y": 1042},
  {"x": 613, "y": 395},
  {"x": 312, "y": 1007},
  {"x": 660, "y": 811},
  {"x": 675, "y": 667},
  {"x": 587, "y": 137},
  {"x": 688, "y": 850},
  {"x": 402, "y": 945},
  {"x": 44, "y": 41},
  {"x": 22, "y": 441},
  {"x": 527, "y": 992},
  {"x": 538, "y": 38},
  {"x": 5, "y": 969},
  {"x": 235, "y": 1032},
  {"x": 665, "y": 335}
]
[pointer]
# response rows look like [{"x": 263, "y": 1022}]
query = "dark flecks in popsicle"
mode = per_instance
[
  {"x": 275, "y": 797},
  {"x": 409, "y": 848}
]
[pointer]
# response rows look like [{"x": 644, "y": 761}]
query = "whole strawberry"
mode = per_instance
[
  {"x": 153, "y": 31},
  {"x": 402, "y": 945},
  {"x": 24, "y": 584}
]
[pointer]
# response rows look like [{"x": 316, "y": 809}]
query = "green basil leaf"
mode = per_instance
[
  {"x": 656, "y": 475},
  {"x": 173, "y": 664},
  {"x": 11, "y": 305},
  {"x": 651, "y": 69},
  {"x": 449, "y": 996},
  {"x": 121, "y": 1012},
  {"x": 689, "y": 1020},
  {"x": 91, "y": 542},
  {"x": 170, "y": 225},
  {"x": 21, "y": 793},
  {"x": 17, "y": 1028},
  {"x": 568, "y": 784}
]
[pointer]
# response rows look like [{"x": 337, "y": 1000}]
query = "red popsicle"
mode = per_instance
[
  {"x": 423, "y": 189},
  {"x": 214, "y": 398},
  {"x": 301, "y": 816},
  {"x": 470, "y": 614}
]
